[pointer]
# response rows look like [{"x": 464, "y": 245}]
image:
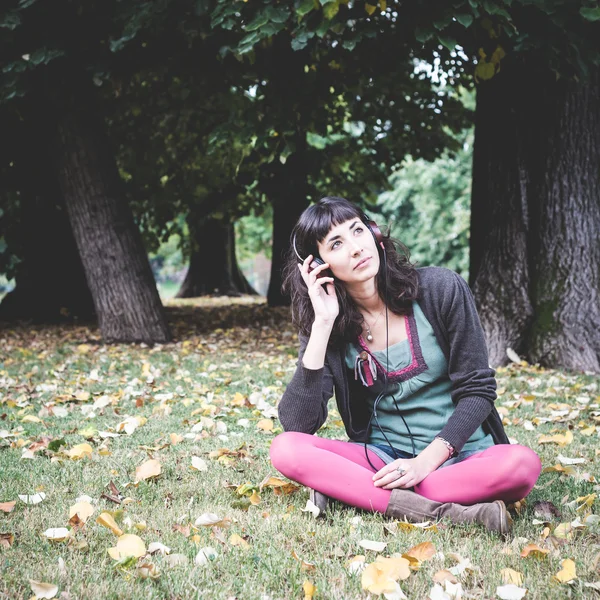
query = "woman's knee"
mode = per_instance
[
  {"x": 284, "y": 452},
  {"x": 522, "y": 463}
]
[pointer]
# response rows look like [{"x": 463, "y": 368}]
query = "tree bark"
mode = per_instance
[
  {"x": 499, "y": 271},
  {"x": 110, "y": 245},
  {"x": 564, "y": 197},
  {"x": 536, "y": 280},
  {"x": 213, "y": 267}
]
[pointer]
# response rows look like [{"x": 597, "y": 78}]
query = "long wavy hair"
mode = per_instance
[{"x": 312, "y": 227}]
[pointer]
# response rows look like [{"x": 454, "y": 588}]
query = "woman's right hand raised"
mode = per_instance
[{"x": 321, "y": 292}]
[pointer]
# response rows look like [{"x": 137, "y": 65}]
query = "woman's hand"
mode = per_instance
[
  {"x": 402, "y": 473},
  {"x": 321, "y": 292}
]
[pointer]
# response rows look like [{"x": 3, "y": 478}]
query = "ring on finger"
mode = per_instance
[{"x": 401, "y": 471}]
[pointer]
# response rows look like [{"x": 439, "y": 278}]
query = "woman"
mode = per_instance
[{"x": 404, "y": 352}]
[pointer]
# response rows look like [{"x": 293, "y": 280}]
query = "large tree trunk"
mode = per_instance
[
  {"x": 565, "y": 207},
  {"x": 213, "y": 267},
  {"x": 50, "y": 281},
  {"x": 536, "y": 157},
  {"x": 115, "y": 262},
  {"x": 499, "y": 271}
]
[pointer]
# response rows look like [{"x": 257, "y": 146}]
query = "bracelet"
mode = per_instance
[{"x": 451, "y": 450}]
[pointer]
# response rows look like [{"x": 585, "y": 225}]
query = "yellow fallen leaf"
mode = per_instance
[
  {"x": 265, "y": 424},
  {"x": 106, "y": 520},
  {"x": 567, "y": 573},
  {"x": 175, "y": 438},
  {"x": 83, "y": 348},
  {"x": 6, "y": 540},
  {"x": 563, "y": 531},
  {"x": 148, "y": 571},
  {"x": 84, "y": 510},
  {"x": 254, "y": 498},
  {"x": 148, "y": 470},
  {"x": 43, "y": 590},
  {"x": 380, "y": 576},
  {"x": 31, "y": 419},
  {"x": 309, "y": 590},
  {"x": 237, "y": 540},
  {"x": 198, "y": 464},
  {"x": 588, "y": 431},
  {"x": 559, "y": 469},
  {"x": 561, "y": 440},
  {"x": 444, "y": 575},
  {"x": 510, "y": 576},
  {"x": 585, "y": 501},
  {"x": 421, "y": 552},
  {"x": 534, "y": 550},
  {"x": 79, "y": 451},
  {"x": 128, "y": 545}
]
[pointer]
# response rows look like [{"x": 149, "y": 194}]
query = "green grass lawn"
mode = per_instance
[{"x": 211, "y": 394}]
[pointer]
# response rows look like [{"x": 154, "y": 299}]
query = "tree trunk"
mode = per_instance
[
  {"x": 565, "y": 205},
  {"x": 499, "y": 271},
  {"x": 116, "y": 265},
  {"x": 213, "y": 265},
  {"x": 536, "y": 157},
  {"x": 50, "y": 281}
]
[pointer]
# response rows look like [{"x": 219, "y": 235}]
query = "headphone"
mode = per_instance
[{"x": 371, "y": 226}]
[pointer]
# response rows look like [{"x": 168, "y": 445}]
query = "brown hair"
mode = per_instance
[{"x": 312, "y": 227}]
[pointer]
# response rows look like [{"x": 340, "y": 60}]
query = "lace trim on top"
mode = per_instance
[{"x": 417, "y": 365}]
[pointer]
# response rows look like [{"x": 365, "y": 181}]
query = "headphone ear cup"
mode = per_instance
[
  {"x": 314, "y": 263},
  {"x": 375, "y": 231}
]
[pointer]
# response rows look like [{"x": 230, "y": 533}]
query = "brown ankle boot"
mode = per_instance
[{"x": 412, "y": 507}]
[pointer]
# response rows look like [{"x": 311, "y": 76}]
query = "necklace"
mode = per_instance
[{"x": 369, "y": 334}]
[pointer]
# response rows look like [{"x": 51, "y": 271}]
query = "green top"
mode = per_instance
[{"x": 421, "y": 388}]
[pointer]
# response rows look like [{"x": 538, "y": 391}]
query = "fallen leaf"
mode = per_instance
[
  {"x": 148, "y": 571},
  {"x": 265, "y": 424},
  {"x": 421, "y": 552},
  {"x": 312, "y": 508},
  {"x": 510, "y": 592},
  {"x": 128, "y": 545},
  {"x": 43, "y": 590},
  {"x": 80, "y": 451},
  {"x": 373, "y": 545},
  {"x": 199, "y": 464},
  {"x": 148, "y": 470},
  {"x": 7, "y": 506},
  {"x": 106, "y": 520},
  {"x": 534, "y": 550},
  {"x": 304, "y": 565},
  {"x": 560, "y": 439},
  {"x": 157, "y": 547},
  {"x": 565, "y": 460},
  {"x": 56, "y": 534},
  {"x": 176, "y": 560},
  {"x": 32, "y": 498},
  {"x": 309, "y": 590},
  {"x": 510, "y": 576},
  {"x": 356, "y": 564},
  {"x": 380, "y": 577},
  {"x": 84, "y": 510},
  {"x": 567, "y": 573},
  {"x": 444, "y": 575},
  {"x": 237, "y": 540},
  {"x": 205, "y": 555},
  {"x": 31, "y": 419},
  {"x": 211, "y": 520},
  {"x": 6, "y": 540},
  {"x": 175, "y": 438}
]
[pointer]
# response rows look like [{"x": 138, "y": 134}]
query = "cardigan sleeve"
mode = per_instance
[
  {"x": 303, "y": 406},
  {"x": 473, "y": 381}
]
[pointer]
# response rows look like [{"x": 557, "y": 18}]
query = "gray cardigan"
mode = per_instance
[{"x": 447, "y": 303}]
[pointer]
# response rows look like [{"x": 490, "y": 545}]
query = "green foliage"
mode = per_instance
[
  {"x": 253, "y": 234},
  {"x": 428, "y": 208}
]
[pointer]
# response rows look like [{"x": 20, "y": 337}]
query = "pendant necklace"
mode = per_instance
[{"x": 369, "y": 334}]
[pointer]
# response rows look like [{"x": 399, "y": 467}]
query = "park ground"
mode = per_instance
[{"x": 171, "y": 444}]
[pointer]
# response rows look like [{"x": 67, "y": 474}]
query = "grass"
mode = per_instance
[{"x": 225, "y": 352}]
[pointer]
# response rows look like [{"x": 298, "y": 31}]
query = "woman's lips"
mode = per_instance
[{"x": 362, "y": 263}]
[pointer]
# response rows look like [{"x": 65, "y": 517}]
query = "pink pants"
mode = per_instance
[{"x": 340, "y": 470}]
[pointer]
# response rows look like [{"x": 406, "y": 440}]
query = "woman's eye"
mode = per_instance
[
  {"x": 358, "y": 230},
  {"x": 335, "y": 244}
]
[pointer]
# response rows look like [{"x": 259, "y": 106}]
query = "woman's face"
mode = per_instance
[{"x": 351, "y": 252}]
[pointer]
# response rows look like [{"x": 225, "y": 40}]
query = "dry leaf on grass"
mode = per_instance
[
  {"x": 309, "y": 590},
  {"x": 560, "y": 439},
  {"x": 155, "y": 547},
  {"x": 381, "y": 576},
  {"x": 148, "y": 571},
  {"x": 128, "y": 545},
  {"x": 372, "y": 545},
  {"x": 83, "y": 510},
  {"x": 280, "y": 486},
  {"x": 567, "y": 573},
  {"x": 56, "y": 534},
  {"x": 534, "y": 550},
  {"x": 304, "y": 565},
  {"x": 106, "y": 520},
  {"x": 43, "y": 590},
  {"x": 444, "y": 575},
  {"x": 265, "y": 425},
  {"x": 205, "y": 555},
  {"x": 148, "y": 470},
  {"x": 7, "y": 506},
  {"x": 198, "y": 464},
  {"x": 175, "y": 438},
  {"x": 510, "y": 592},
  {"x": 32, "y": 498},
  {"x": 237, "y": 540},
  {"x": 79, "y": 451},
  {"x": 211, "y": 520},
  {"x": 511, "y": 576},
  {"x": 6, "y": 540},
  {"x": 420, "y": 553}
]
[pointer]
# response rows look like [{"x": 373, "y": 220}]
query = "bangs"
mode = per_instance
[{"x": 317, "y": 220}]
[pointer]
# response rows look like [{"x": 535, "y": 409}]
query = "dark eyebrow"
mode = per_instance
[{"x": 335, "y": 237}]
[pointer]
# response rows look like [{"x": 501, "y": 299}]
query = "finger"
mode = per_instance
[
  {"x": 390, "y": 478},
  {"x": 391, "y": 468},
  {"x": 320, "y": 268}
]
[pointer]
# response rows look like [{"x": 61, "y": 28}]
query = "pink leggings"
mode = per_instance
[{"x": 340, "y": 470}]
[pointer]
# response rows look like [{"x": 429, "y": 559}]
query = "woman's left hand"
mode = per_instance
[{"x": 402, "y": 473}]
